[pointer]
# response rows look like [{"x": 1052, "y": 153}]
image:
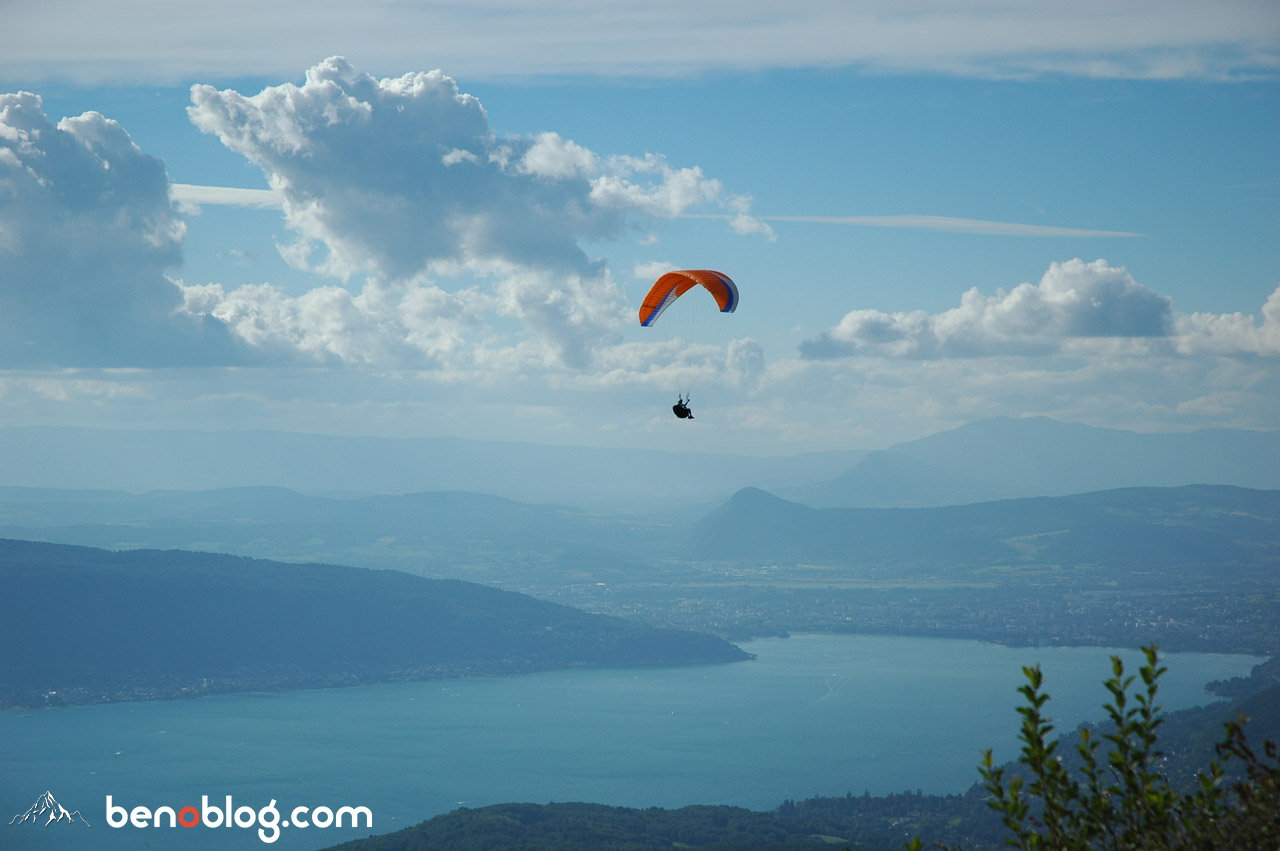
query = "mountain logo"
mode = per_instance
[{"x": 46, "y": 809}]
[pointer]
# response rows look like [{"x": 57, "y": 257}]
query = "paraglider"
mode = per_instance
[{"x": 672, "y": 286}]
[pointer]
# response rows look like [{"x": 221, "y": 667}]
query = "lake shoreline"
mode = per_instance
[
  {"x": 813, "y": 715},
  {"x": 294, "y": 682}
]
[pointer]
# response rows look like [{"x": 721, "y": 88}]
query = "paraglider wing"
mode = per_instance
[{"x": 672, "y": 285}]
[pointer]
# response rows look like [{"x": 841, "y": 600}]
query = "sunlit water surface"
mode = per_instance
[{"x": 811, "y": 715}]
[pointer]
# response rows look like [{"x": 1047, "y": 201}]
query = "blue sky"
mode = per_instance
[{"x": 935, "y": 212}]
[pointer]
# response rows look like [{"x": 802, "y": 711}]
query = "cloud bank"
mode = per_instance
[
  {"x": 394, "y": 176},
  {"x": 450, "y": 248},
  {"x": 87, "y": 233},
  {"x": 1076, "y": 307},
  {"x": 1086, "y": 343},
  {"x": 161, "y": 39},
  {"x": 949, "y": 224},
  {"x": 402, "y": 183},
  {"x": 456, "y": 289}
]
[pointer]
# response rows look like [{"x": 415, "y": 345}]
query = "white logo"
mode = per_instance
[{"x": 47, "y": 809}]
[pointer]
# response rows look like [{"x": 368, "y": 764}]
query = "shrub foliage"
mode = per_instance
[{"x": 1120, "y": 801}]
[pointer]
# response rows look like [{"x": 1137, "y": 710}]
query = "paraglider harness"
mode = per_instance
[{"x": 681, "y": 408}]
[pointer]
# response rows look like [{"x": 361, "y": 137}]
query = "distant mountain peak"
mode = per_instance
[
  {"x": 756, "y": 499},
  {"x": 1041, "y": 456},
  {"x": 755, "y": 495},
  {"x": 1192, "y": 529}
]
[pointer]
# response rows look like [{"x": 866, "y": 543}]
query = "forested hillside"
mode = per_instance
[{"x": 87, "y": 625}]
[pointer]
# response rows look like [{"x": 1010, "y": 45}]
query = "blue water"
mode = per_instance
[{"x": 813, "y": 714}]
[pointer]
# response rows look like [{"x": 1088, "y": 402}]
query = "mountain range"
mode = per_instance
[
  {"x": 479, "y": 537},
  {"x": 591, "y": 478},
  {"x": 1005, "y": 458},
  {"x": 984, "y": 460},
  {"x": 1205, "y": 528},
  {"x": 519, "y": 545}
]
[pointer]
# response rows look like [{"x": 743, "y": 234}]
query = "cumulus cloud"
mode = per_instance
[
  {"x": 1087, "y": 343},
  {"x": 745, "y": 362},
  {"x": 392, "y": 176},
  {"x": 87, "y": 232},
  {"x": 403, "y": 182},
  {"x": 369, "y": 170},
  {"x": 419, "y": 327},
  {"x": 889, "y": 399},
  {"x": 1073, "y": 301},
  {"x": 466, "y": 247},
  {"x": 1232, "y": 333}
]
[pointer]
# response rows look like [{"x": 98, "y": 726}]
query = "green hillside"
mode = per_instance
[{"x": 85, "y": 625}]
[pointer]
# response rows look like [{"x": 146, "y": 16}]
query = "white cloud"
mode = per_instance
[
  {"x": 190, "y": 198},
  {"x": 1077, "y": 308},
  {"x": 1073, "y": 302},
  {"x": 744, "y": 362},
  {"x": 393, "y": 175},
  {"x": 556, "y": 158},
  {"x": 1232, "y": 333},
  {"x": 671, "y": 196},
  {"x": 1086, "y": 344},
  {"x": 402, "y": 181},
  {"x": 419, "y": 327},
  {"x": 885, "y": 399},
  {"x": 744, "y": 223},
  {"x": 466, "y": 246},
  {"x": 359, "y": 163},
  {"x": 163, "y": 39},
  {"x": 87, "y": 232},
  {"x": 574, "y": 314},
  {"x": 652, "y": 270}
]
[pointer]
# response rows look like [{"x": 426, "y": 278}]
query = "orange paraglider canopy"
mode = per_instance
[{"x": 672, "y": 285}]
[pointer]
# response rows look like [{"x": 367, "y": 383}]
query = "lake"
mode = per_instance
[{"x": 812, "y": 714}]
